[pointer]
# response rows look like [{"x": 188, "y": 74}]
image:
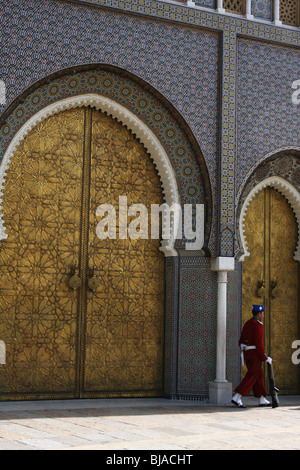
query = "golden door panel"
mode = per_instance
[
  {"x": 41, "y": 206},
  {"x": 253, "y": 265},
  {"x": 284, "y": 282},
  {"x": 127, "y": 349},
  {"x": 104, "y": 340},
  {"x": 270, "y": 277}
]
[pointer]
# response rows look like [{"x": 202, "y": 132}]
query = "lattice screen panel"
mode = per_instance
[
  {"x": 289, "y": 12},
  {"x": 235, "y": 6}
]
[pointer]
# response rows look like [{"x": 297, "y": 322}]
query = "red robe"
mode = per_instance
[{"x": 252, "y": 335}]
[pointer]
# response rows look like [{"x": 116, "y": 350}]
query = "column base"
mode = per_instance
[{"x": 220, "y": 393}]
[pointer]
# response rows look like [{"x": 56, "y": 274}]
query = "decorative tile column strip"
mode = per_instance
[
  {"x": 220, "y": 391},
  {"x": 171, "y": 327},
  {"x": 2, "y": 93},
  {"x": 228, "y": 142}
]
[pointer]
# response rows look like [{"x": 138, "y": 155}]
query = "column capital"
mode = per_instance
[{"x": 222, "y": 263}]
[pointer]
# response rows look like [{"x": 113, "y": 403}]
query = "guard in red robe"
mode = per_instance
[{"x": 253, "y": 353}]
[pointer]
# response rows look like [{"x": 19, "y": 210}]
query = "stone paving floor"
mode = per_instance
[{"x": 148, "y": 424}]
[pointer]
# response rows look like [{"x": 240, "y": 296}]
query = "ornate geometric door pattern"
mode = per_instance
[
  {"x": 271, "y": 278},
  {"x": 80, "y": 316}
]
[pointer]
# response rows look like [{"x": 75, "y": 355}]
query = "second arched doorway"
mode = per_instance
[
  {"x": 80, "y": 316},
  {"x": 271, "y": 278}
]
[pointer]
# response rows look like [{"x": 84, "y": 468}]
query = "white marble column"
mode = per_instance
[
  {"x": 2, "y": 353},
  {"x": 249, "y": 15},
  {"x": 277, "y": 21},
  {"x": 220, "y": 8},
  {"x": 220, "y": 390},
  {"x": 221, "y": 327}
]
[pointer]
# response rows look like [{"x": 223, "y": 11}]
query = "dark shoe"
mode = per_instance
[{"x": 240, "y": 405}]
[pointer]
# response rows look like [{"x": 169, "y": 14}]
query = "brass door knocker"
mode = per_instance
[
  {"x": 74, "y": 281},
  {"x": 93, "y": 281},
  {"x": 261, "y": 291}
]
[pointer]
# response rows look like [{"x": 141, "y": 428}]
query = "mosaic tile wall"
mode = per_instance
[
  {"x": 181, "y": 59},
  {"x": 267, "y": 119},
  {"x": 181, "y": 62},
  {"x": 197, "y": 326},
  {"x": 171, "y": 327},
  {"x": 262, "y": 9},
  {"x": 173, "y": 59}
]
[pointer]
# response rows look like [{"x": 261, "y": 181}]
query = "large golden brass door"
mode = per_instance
[
  {"x": 80, "y": 316},
  {"x": 271, "y": 278}
]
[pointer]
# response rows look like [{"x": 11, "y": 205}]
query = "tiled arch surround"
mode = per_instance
[
  {"x": 280, "y": 171},
  {"x": 167, "y": 138}
]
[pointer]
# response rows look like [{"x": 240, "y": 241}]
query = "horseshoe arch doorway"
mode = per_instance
[
  {"x": 271, "y": 278},
  {"x": 80, "y": 317}
]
